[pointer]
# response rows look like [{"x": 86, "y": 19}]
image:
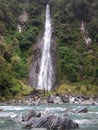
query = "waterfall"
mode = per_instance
[
  {"x": 45, "y": 72},
  {"x": 43, "y": 68}
]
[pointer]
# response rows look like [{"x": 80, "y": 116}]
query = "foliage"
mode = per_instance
[
  {"x": 93, "y": 29},
  {"x": 6, "y": 83},
  {"x": 14, "y": 46},
  {"x": 76, "y": 61},
  {"x": 82, "y": 9},
  {"x": 10, "y": 87},
  {"x": 67, "y": 18},
  {"x": 3, "y": 64},
  {"x": 70, "y": 61},
  {"x": 19, "y": 67},
  {"x": 79, "y": 89},
  {"x": 27, "y": 38}
]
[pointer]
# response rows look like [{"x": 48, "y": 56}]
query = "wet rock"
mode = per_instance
[
  {"x": 28, "y": 116},
  {"x": 43, "y": 113},
  {"x": 39, "y": 114},
  {"x": 70, "y": 124},
  {"x": 17, "y": 118},
  {"x": 53, "y": 122},
  {"x": 84, "y": 110}
]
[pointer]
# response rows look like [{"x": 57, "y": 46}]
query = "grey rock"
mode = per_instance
[
  {"x": 28, "y": 116},
  {"x": 51, "y": 99},
  {"x": 53, "y": 122},
  {"x": 57, "y": 100},
  {"x": 23, "y": 17},
  {"x": 38, "y": 129},
  {"x": 17, "y": 118},
  {"x": 39, "y": 114},
  {"x": 35, "y": 63},
  {"x": 65, "y": 99},
  {"x": 84, "y": 110}
]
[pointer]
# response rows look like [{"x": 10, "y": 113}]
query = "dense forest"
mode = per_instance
[{"x": 75, "y": 30}]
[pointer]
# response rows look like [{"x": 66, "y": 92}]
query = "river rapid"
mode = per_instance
[{"x": 87, "y": 121}]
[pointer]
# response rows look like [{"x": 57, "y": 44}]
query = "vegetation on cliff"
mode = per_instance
[{"x": 77, "y": 61}]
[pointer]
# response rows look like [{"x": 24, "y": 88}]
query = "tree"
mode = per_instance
[
  {"x": 82, "y": 10},
  {"x": 70, "y": 62}
]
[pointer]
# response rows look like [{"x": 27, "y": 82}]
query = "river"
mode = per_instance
[{"x": 87, "y": 121}]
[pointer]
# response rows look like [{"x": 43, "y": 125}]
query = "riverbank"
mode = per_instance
[
  {"x": 37, "y": 98},
  {"x": 69, "y": 106},
  {"x": 86, "y": 121},
  {"x": 78, "y": 89}
]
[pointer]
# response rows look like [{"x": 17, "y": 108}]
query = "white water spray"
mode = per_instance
[{"x": 45, "y": 73}]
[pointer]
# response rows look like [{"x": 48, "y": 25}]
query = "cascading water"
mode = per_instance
[
  {"x": 45, "y": 72},
  {"x": 43, "y": 69}
]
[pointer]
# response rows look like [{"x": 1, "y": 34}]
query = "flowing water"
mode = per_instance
[
  {"x": 87, "y": 121},
  {"x": 45, "y": 73}
]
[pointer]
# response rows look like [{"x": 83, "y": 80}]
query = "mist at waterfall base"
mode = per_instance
[
  {"x": 45, "y": 73},
  {"x": 87, "y": 121}
]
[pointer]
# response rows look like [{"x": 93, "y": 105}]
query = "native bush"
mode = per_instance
[{"x": 70, "y": 61}]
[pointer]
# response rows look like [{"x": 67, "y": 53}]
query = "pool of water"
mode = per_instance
[{"x": 87, "y": 121}]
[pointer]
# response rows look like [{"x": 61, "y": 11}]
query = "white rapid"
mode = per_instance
[{"x": 45, "y": 72}]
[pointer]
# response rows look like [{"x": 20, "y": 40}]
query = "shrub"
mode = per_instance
[{"x": 70, "y": 61}]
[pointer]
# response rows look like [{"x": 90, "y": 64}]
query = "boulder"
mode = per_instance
[
  {"x": 87, "y": 102},
  {"x": 28, "y": 116},
  {"x": 85, "y": 97},
  {"x": 53, "y": 122},
  {"x": 71, "y": 99},
  {"x": 65, "y": 99},
  {"x": 17, "y": 118},
  {"x": 57, "y": 100},
  {"x": 51, "y": 99},
  {"x": 84, "y": 110}
]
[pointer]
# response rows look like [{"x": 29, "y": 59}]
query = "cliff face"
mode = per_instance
[
  {"x": 36, "y": 62},
  {"x": 76, "y": 60},
  {"x": 23, "y": 18},
  {"x": 54, "y": 63},
  {"x": 35, "y": 65}
]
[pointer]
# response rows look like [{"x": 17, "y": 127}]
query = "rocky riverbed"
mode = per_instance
[
  {"x": 46, "y": 119},
  {"x": 35, "y": 99},
  {"x": 49, "y": 121},
  {"x": 17, "y": 117}
]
